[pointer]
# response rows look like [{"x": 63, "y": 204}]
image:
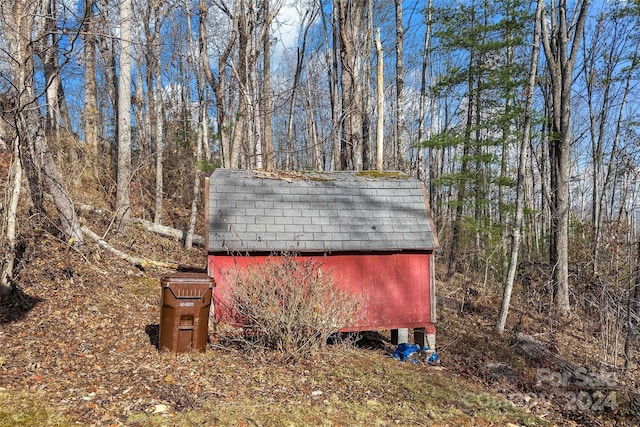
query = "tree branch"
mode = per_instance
[{"x": 137, "y": 261}]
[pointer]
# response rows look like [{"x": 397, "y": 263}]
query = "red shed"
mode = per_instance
[{"x": 373, "y": 228}]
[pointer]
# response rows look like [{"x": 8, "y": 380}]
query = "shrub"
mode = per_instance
[{"x": 291, "y": 305}]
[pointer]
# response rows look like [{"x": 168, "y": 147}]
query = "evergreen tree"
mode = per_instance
[{"x": 485, "y": 69}]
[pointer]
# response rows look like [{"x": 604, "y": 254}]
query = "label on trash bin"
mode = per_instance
[{"x": 187, "y": 304}]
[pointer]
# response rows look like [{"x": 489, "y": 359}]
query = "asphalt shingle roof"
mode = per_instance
[{"x": 317, "y": 212}]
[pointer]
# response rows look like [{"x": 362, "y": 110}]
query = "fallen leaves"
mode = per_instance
[{"x": 85, "y": 344}]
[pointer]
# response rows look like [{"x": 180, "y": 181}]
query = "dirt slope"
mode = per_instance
[{"x": 79, "y": 347}]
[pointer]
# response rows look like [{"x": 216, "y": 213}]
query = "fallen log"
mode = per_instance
[
  {"x": 160, "y": 229},
  {"x": 91, "y": 209},
  {"x": 163, "y": 230},
  {"x": 564, "y": 372},
  {"x": 137, "y": 261},
  {"x": 603, "y": 390},
  {"x": 530, "y": 347}
]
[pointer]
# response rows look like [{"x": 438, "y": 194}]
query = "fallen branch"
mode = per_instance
[
  {"x": 137, "y": 261},
  {"x": 91, "y": 209},
  {"x": 533, "y": 349},
  {"x": 530, "y": 347},
  {"x": 625, "y": 398},
  {"x": 163, "y": 230}
]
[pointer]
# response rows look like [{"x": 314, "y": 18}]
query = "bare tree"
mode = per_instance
[
  {"x": 522, "y": 162},
  {"x": 265, "y": 100},
  {"x": 242, "y": 138},
  {"x": 368, "y": 47},
  {"x": 158, "y": 137},
  {"x": 380, "y": 87},
  {"x": 106, "y": 42},
  {"x": 610, "y": 60},
  {"x": 123, "y": 191},
  {"x": 351, "y": 17},
  {"x": 15, "y": 180},
  {"x": 306, "y": 23},
  {"x": 472, "y": 106},
  {"x": 90, "y": 84},
  {"x": 561, "y": 40},
  {"x": 155, "y": 14},
  {"x": 202, "y": 130},
  {"x": 219, "y": 81},
  {"x": 401, "y": 136},
  {"x": 18, "y": 23},
  {"x": 332, "y": 42},
  {"x": 48, "y": 49},
  {"x": 423, "y": 88}
]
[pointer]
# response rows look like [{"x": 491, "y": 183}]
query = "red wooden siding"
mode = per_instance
[{"x": 394, "y": 287}]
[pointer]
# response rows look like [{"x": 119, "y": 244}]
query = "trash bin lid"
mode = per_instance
[{"x": 181, "y": 278}]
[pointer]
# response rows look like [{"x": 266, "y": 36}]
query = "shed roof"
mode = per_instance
[{"x": 317, "y": 212}]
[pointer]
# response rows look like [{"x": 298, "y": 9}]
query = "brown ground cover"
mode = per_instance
[{"x": 79, "y": 347}]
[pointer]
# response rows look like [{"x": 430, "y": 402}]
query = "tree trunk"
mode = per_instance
[
  {"x": 423, "y": 92},
  {"x": 333, "y": 73},
  {"x": 48, "y": 52},
  {"x": 201, "y": 143},
  {"x": 603, "y": 74},
  {"x": 268, "y": 154},
  {"x": 19, "y": 23},
  {"x": 170, "y": 232},
  {"x": 218, "y": 84},
  {"x": 351, "y": 27},
  {"x": 156, "y": 110},
  {"x": 202, "y": 135},
  {"x": 90, "y": 88},
  {"x": 133, "y": 260},
  {"x": 380, "y": 87},
  {"x": 560, "y": 53},
  {"x": 522, "y": 159},
  {"x": 15, "y": 179},
  {"x": 107, "y": 48},
  {"x": 141, "y": 109},
  {"x": 48, "y": 49},
  {"x": 456, "y": 228},
  {"x": 158, "y": 138},
  {"x": 305, "y": 25},
  {"x": 243, "y": 119},
  {"x": 123, "y": 191},
  {"x": 367, "y": 108},
  {"x": 319, "y": 155},
  {"x": 401, "y": 137},
  {"x": 292, "y": 106}
]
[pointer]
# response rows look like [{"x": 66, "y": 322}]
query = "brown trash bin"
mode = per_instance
[{"x": 184, "y": 316}]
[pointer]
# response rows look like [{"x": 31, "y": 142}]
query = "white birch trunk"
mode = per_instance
[
  {"x": 15, "y": 177},
  {"x": 123, "y": 190}
]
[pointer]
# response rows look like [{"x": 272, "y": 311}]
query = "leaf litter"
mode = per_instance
[{"x": 81, "y": 338}]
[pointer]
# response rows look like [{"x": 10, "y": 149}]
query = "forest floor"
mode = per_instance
[{"x": 79, "y": 347}]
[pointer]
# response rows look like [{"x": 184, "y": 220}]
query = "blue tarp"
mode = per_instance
[{"x": 405, "y": 351}]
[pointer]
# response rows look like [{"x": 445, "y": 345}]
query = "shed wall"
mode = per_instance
[{"x": 396, "y": 288}]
